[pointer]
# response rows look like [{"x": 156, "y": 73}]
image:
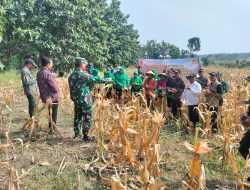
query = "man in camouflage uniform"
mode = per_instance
[
  {"x": 177, "y": 90},
  {"x": 213, "y": 95},
  {"x": 224, "y": 86},
  {"x": 80, "y": 84},
  {"x": 202, "y": 79}
]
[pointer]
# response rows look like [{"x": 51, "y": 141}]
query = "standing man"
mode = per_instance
[
  {"x": 191, "y": 95},
  {"x": 29, "y": 85},
  {"x": 245, "y": 141},
  {"x": 202, "y": 79},
  {"x": 80, "y": 84},
  {"x": 140, "y": 73},
  {"x": 48, "y": 87},
  {"x": 177, "y": 90},
  {"x": 224, "y": 86},
  {"x": 213, "y": 95},
  {"x": 169, "y": 82}
]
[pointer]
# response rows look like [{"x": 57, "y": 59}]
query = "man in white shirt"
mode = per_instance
[{"x": 191, "y": 95}]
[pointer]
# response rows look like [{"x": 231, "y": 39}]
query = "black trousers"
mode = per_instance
[
  {"x": 32, "y": 105},
  {"x": 193, "y": 114},
  {"x": 245, "y": 144},
  {"x": 169, "y": 102},
  {"x": 54, "y": 108},
  {"x": 119, "y": 93},
  {"x": 109, "y": 93},
  {"x": 214, "y": 118},
  {"x": 176, "y": 105}
]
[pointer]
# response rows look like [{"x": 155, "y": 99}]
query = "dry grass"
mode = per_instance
[{"x": 134, "y": 150}]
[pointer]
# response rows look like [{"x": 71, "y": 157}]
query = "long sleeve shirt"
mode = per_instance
[
  {"x": 149, "y": 85},
  {"x": 192, "y": 95},
  {"x": 29, "y": 82},
  {"x": 47, "y": 85},
  {"x": 179, "y": 85}
]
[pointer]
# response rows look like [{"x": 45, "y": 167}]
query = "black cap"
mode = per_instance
[
  {"x": 30, "y": 61},
  {"x": 177, "y": 71},
  {"x": 248, "y": 78},
  {"x": 191, "y": 76},
  {"x": 201, "y": 70},
  {"x": 213, "y": 74}
]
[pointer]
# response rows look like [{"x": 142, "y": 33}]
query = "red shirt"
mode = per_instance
[{"x": 149, "y": 85}]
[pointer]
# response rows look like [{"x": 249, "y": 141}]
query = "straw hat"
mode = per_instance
[
  {"x": 149, "y": 73},
  {"x": 162, "y": 74}
]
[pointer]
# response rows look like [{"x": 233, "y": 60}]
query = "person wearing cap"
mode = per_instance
[
  {"x": 169, "y": 84},
  {"x": 48, "y": 87},
  {"x": 162, "y": 86},
  {"x": 80, "y": 85},
  {"x": 140, "y": 73},
  {"x": 191, "y": 95},
  {"x": 245, "y": 141},
  {"x": 213, "y": 94},
  {"x": 122, "y": 82},
  {"x": 177, "y": 90},
  {"x": 29, "y": 85},
  {"x": 109, "y": 74},
  {"x": 224, "y": 85},
  {"x": 202, "y": 79},
  {"x": 136, "y": 84},
  {"x": 149, "y": 85}
]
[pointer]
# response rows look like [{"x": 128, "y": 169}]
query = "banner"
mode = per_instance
[{"x": 187, "y": 66}]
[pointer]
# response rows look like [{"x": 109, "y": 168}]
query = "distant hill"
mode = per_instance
[
  {"x": 228, "y": 56},
  {"x": 232, "y": 60}
]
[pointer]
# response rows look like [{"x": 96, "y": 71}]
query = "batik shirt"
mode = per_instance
[{"x": 179, "y": 85}]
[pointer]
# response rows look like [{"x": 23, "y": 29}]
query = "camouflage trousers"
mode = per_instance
[{"x": 82, "y": 119}]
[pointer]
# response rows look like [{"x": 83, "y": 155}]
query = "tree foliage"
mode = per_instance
[
  {"x": 62, "y": 30},
  {"x": 194, "y": 44},
  {"x": 163, "y": 50}
]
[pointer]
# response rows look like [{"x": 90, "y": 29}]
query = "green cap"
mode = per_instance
[{"x": 121, "y": 69}]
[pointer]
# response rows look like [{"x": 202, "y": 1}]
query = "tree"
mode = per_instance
[
  {"x": 65, "y": 29},
  {"x": 122, "y": 38},
  {"x": 194, "y": 44},
  {"x": 155, "y": 50},
  {"x": 205, "y": 61}
]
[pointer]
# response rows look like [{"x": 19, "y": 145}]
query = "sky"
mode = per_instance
[{"x": 223, "y": 26}]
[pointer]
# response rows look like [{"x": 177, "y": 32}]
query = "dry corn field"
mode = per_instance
[{"x": 136, "y": 148}]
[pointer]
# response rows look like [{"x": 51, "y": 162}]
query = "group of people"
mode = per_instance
[{"x": 167, "y": 89}]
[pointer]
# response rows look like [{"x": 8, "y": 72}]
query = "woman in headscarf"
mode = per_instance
[
  {"x": 122, "y": 82},
  {"x": 149, "y": 85},
  {"x": 156, "y": 77},
  {"x": 136, "y": 84},
  {"x": 109, "y": 74}
]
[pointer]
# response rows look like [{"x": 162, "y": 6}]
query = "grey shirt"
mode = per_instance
[{"x": 29, "y": 82}]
